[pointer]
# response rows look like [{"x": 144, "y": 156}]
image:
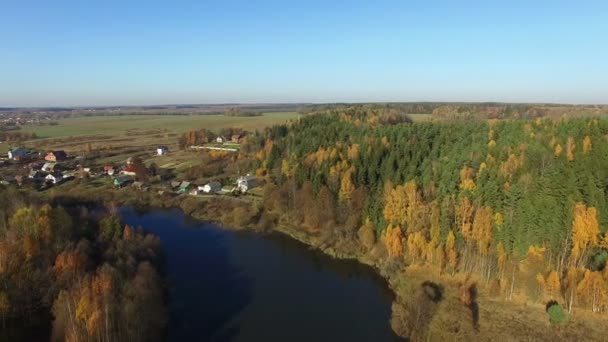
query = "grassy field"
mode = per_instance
[{"x": 116, "y": 125}]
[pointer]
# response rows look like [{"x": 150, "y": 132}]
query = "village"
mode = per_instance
[{"x": 22, "y": 167}]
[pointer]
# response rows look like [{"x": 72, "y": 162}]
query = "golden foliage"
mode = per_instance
[
  {"x": 587, "y": 145},
  {"x": 450, "y": 251},
  {"x": 570, "y": 149},
  {"x": 464, "y": 215},
  {"x": 466, "y": 179},
  {"x": 393, "y": 240},
  {"x": 558, "y": 150},
  {"x": 346, "y": 185},
  {"x": 512, "y": 164},
  {"x": 403, "y": 205},
  {"x": 585, "y": 230},
  {"x": 553, "y": 285},
  {"x": 593, "y": 291},
  {"x": 482, "y": 229}
]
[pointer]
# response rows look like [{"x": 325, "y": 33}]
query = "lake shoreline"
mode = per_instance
[
  {"x": 146, "y": 202},
  {"x": 500, "y": 318}
]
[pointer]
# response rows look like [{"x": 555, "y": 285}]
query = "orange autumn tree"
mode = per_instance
[
  {"x": 570, "y": 145},
  {"x": 552, "y": 284},
  {"x": 404, "y": 206},
  {"x": 585, "y": 230},
  {"x": 393, "y": 241},
  {"x": 451, "y": 252},
  {"x": 482, "y": 234},
  {"x": 587, "y": 145},
  {"x": 592, "y": 291}
]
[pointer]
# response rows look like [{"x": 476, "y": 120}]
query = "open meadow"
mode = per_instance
[{"x": 116, "y": 125}]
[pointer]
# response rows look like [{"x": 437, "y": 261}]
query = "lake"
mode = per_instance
[{"x": 243, "y": 286}]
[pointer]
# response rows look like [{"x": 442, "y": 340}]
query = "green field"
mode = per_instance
[{"x": 114, "y": 125}]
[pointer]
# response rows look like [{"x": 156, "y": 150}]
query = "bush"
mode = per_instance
[{"x": 557, "y": 315}]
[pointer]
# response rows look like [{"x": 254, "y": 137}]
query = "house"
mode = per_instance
[
  {"x": 220, "y": 139},
  {"x": 184, "y": 187},
  {"x": 174, "y": 185},
  {"x": 128, "y": 171},
  {"x": 7, "y": 180},
  {"x": 236, "y": 138},
  {"x": 55, "y": 156},
  {"x": 17, "y": 154},
  {"x": 195, "y": 191},
  {"x": 245, "y": 183},
  {"x": 211, "y": 187},
  {"x": 48, "y": 167},
  {"x": 162, "y": 150},
  {"x": 122, "y": 181},
  {"x": 37, "y": 176},
  {"x": 54, "y": 178},
  {"x": 109, "y": 170}
]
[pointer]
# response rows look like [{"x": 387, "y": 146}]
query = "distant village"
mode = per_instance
[{"x": 42, "y": 170}]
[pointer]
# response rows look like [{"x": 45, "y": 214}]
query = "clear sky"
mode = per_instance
[{"x": 56, "y": 52}]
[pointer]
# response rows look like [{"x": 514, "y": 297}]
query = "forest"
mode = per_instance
[
  {"x": 95, "y": 278},
  {"x": 519, "y": 204}
]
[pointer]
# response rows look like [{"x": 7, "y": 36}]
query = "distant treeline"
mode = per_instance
[
  {"x": 17, "y": 136},
  {"x": 487, "y": 110},
  {"x": 241, "y": 112}
]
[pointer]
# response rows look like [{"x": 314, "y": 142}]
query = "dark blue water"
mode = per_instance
[{"x": 243, "y": 286}]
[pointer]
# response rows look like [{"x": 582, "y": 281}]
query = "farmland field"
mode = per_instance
[{"x": 113, "y": 125}]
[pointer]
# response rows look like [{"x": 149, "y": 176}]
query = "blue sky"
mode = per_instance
[{"x": 146, "y": 52}]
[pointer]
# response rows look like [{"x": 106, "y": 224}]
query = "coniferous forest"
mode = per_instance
[{"x": 518, "y": 204}]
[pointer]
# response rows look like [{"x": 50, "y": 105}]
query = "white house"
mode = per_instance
[
  {"x": 48, "y": 167},
  {"x": 162, "y": 150},
  {"x": 244, "y": 183},
  {"x": 211, "y": 187},
  {"x": 220, "y": 139},
  {"x": 54, "y": 177},
  {"x": 17, "y": 154}
]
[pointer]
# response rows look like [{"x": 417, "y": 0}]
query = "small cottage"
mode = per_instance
[
  {"x": 220, "y": 139},
  {"x": 245, "y": 183},
  {"x": 55, "y": 156},
  {"x": 54, "y": 178},
  {"x": 122, "y": 181},
  {"x": 48, "y": 167},
  {"x": 211, "y": 187},
  {"x": 128, "y": 171},
  {"x": 17, "y": 154},
  {"x": 236, "y": 138},
  {"x": 108, "y": 170},
  {"x": 162, "y": 150},
  {"x": 7, "y": 180},
  {"x": 184, "y": 187}
]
